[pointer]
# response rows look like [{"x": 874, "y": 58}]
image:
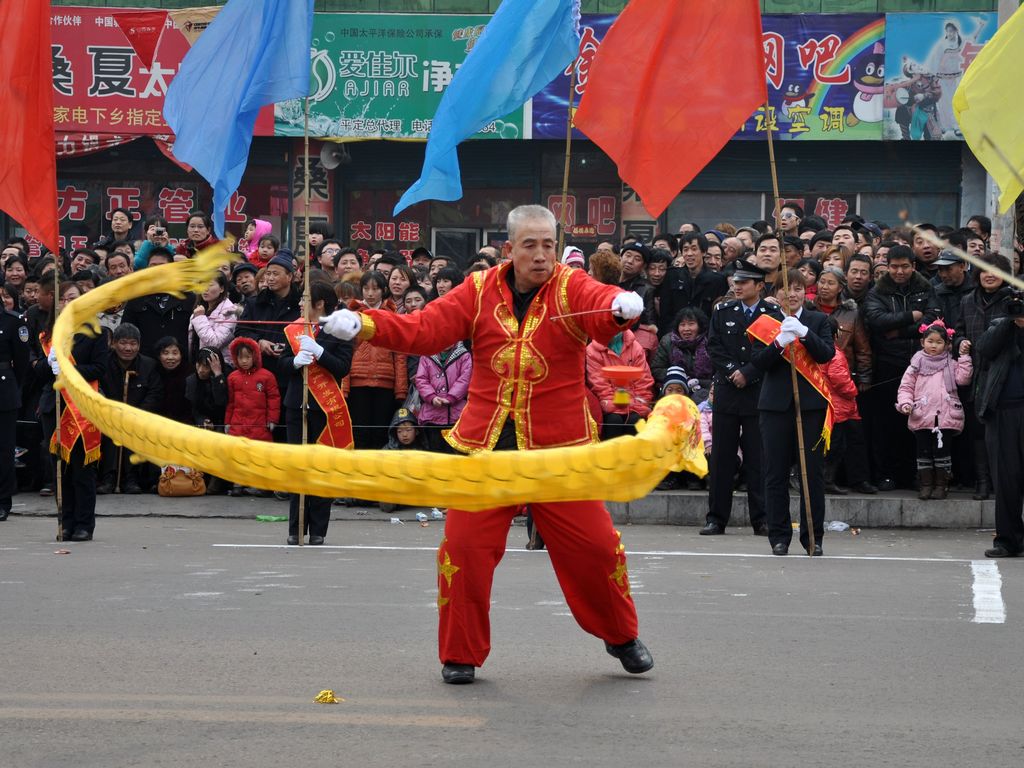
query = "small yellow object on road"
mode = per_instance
[{"x": 327, "y": 697}]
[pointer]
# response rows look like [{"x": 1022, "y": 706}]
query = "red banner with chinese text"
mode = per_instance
[{"x": 101, "y": 86}]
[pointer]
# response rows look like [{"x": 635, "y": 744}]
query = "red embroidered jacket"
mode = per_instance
[{"x": 532, "y": 371}]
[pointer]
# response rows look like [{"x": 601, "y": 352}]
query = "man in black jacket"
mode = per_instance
[
  {"x": 131, "y": 378},
  {"x": 896, "y": 307},
  {"x": 1000, "y": 404},
  {"x": 160, "y": 314},
  {"x": 693, "y": 285},
  {"x": 279, "y": 302},
  {"x": 737, "y": 385},
  {"x": 777, "y": 409}
]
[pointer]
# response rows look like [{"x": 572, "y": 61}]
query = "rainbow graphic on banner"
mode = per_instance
[{"x": 854, "y": 45}]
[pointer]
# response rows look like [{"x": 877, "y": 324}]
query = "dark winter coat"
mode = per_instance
[
  {"x": 145, "y": 386},
  {"x": 895, "y": 335},
  {"x": 159, "y": 315}
]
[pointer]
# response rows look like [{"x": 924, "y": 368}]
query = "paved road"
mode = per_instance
[{"x": 202, "y": 643}]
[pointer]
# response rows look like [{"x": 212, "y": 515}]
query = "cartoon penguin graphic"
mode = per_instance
[
  {"x": 794, "y": 96},
  {"x": 869, "y": 80}
]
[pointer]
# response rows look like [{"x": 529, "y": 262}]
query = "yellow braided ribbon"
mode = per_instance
[{"x": 622, "y": 469}]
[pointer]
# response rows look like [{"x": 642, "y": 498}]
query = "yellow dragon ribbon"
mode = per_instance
[{"x": 622, "y": 469}]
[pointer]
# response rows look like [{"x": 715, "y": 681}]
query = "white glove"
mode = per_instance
[
  {"x": 52, "y": 360},
  {"x": 308, "y": 344},
  {"x": 791, "y": 325},
  {"x": 344, "y": 323},
  {"x": 627, "y": 305},
  {"x": 302, "y": 359},
  {"x": 785, "y": 338}
]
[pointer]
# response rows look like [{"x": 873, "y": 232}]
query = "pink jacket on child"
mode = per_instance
[{"x": 929, "y": 394}]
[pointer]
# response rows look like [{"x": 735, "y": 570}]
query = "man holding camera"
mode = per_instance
[{"x": 1000, "y": 406}]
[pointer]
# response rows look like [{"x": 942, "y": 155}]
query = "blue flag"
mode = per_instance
[
  {"x": 256, "y": 52},
  {"x": 524, "y": 47}
]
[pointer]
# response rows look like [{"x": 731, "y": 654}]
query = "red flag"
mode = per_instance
[
  {"x": 143, "y": 30},
  {"x": 671, "y": 83},
  {"x": 28, "y": 162}
]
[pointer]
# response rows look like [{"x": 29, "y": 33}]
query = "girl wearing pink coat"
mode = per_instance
[{"x": 928, "y": 397}]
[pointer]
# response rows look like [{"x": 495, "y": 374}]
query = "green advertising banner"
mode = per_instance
[{"x": 381, "y": 76}]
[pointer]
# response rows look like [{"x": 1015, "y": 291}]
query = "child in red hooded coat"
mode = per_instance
[{"x": 254, "y": 400}]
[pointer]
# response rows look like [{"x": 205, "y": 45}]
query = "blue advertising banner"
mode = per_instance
[
  {"x": 824, "y": 76},
  {"x": 925, "y": 57},
  {"x": 551, "y": 105}
]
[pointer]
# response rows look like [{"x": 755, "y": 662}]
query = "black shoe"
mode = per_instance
[
  {"x": 1000, "y": 551},
  {"x": 235, "y": 491},
  {"x": 65, "y": 535},
  {"x": 817, "y": 551},
  {"x": 282, "y": 496},
  {"x": 46, "y": 490},
  {"x": 81, "y": 535},
  {"x": 104, "y": 488},
  {"x": 634, "y": 656},
  {"x": 668, "y": 484},
  {"x": 864, "y": 487},
  {"x": 780, "y": 549},
  {"x": 132, "y": 488},
  {"x": 712, "y": 529},
  {"x": 3, "y": 514},
  {"x": 761, "y": 529},
  {"x": 315, "y": 541},
  {"x": 886, "y": 484},
  {"x": 458, "y": 674},
  {"x": 293, "y": 540}
]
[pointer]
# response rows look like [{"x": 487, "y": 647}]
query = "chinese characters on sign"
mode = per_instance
[{"x": 382, "y": 76}]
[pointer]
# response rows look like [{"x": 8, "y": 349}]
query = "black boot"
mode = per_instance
[
  {"x": 830, "y": 481},
  {"x": 941, "y": 489},
  {"x": 983, "y": 477},
  {"x": 925, "y": 481}
]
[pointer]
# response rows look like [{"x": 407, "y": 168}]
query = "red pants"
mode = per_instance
[{"x": 589, "y": 561}]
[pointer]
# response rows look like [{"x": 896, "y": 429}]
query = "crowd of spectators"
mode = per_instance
[{"x": 175, "y": 356}]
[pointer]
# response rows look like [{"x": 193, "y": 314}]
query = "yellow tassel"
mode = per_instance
[{"x": 327, "y": 697}]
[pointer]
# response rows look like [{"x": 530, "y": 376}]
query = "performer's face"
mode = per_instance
[{"x": 532, "y": 253}]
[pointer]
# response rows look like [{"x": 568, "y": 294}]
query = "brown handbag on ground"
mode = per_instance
[{"x": 180, "y": 481}]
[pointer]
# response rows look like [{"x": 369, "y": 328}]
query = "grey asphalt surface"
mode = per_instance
[{"x": 202, "y": 642}]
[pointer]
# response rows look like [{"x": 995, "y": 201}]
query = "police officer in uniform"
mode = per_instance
[
  {"x": 14, "y": 367},
  {"x": 737, "y": 384}
]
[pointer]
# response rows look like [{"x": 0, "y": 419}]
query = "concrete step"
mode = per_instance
[{"x": 896, "y": 509}]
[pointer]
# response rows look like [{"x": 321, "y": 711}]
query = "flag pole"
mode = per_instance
[
  {"x": 58, "y": 490},
  {"x": 307, "y": 310},
  {"x": 568, "y": 161},
  {"x": 804, "y": 486}
]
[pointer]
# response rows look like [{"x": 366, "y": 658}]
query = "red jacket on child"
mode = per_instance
[{"x": 253, "y": 397}]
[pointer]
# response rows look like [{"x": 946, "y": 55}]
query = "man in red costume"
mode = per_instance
[{"x": 526, "y": 392}]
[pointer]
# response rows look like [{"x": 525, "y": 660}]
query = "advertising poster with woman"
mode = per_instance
[{"x": 926, "y": 56}]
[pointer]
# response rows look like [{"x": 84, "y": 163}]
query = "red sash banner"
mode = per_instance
[
  {"x": 73, "y": 424},
  {"x": 765, "y": 329},
  {"x": 326, "y": 391}
]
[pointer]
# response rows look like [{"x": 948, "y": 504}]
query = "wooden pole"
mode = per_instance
[
  {"x": 801, "y": 448},
  {"x": 306, "y": 313},
  {"x": 58, "y": 490},
  {"x": 564, "y": 218}
]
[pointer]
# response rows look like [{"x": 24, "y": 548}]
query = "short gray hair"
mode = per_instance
[{"x": 523, "y": 213}]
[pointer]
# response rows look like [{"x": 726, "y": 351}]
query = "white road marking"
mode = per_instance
[
  {"x": 989, "y": 607},
  {"x": 631, "y": 553}
]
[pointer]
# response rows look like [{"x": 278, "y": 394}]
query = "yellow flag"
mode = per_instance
[{"x": 988, "y": 110}]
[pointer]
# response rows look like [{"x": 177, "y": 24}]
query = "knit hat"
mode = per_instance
[
  {"x": 283, "y": 259},
  {"x": 572, "y": 255},
  {"x": 674, "y": 375},
  {"x": 244, "y": 266}
]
